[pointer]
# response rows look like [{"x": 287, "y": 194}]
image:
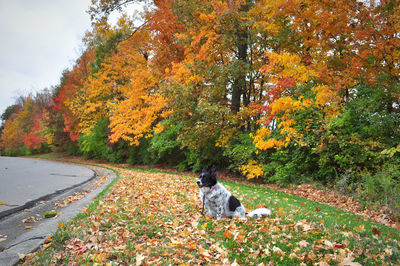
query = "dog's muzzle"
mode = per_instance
[{"x": 199, "y": 184}]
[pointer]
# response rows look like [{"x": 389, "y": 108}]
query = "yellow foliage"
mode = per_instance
[
  {"x": 11, "y": 137},
  {"x": 159, "y": 128},
  {"x": 223, "y": 139},
  {"x": 287, "y": 65},
  {"x": 327, "y": 99},
  {"x": 252, "y": 169},
  {"x": 265, "y": 11}
]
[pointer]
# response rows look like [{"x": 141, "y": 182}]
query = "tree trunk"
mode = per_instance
[{"x": 239, "y": 84}]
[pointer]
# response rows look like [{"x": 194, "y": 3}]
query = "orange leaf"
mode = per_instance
[{"x": 227, "y": 234}]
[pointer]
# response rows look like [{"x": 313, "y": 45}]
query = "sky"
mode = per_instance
[{"x": 38, "y": 40}]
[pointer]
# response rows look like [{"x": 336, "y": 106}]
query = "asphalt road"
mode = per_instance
[
  {"x": 24, "y": 180},
  {"x": 33, "y": 187}
]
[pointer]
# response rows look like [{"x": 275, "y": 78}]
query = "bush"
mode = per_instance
[
  {"x": 240, "y": 150},
  {"x": 72, "y": 148},
  {"x": 94, "y": 145},
  {"x": 384, "y": 187},
  {"x": 165, "y": 148}
]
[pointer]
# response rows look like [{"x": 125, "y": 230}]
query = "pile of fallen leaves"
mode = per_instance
[{"x": 153, "y": 218}]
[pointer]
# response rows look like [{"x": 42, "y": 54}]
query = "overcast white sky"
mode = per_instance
[{"x": 38, "y": 40}]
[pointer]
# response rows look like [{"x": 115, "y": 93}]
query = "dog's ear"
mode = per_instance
[
  {"x": 204, "y": 170},
  {"x": 213, "y": 170}
]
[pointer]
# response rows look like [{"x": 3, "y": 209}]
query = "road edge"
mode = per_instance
[{"x": 32, "y": 241}]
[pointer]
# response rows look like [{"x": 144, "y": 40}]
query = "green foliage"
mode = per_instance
[
  {"x": 140, "y": 154},
  {"x": 94, "y": 145},
  {"x": 72, "y": 148},
  {"x": 8, "y": 112},
  {"x": 241, "y": 149},
  {"x": 356, "y": 138},
  {"x": 296, "y": 164},
  {"x": 165, "y": 147},
  {"x": 384, "y": 186}
]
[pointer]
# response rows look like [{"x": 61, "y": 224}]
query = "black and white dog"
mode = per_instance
[{"x": 219, "y": 202}]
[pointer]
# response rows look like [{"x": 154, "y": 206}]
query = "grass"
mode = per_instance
[{"x": 153, "y": 217}]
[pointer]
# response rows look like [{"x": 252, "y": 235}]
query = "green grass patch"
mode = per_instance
[{"x": 50, "y": 214}]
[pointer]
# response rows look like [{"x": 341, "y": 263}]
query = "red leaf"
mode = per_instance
[
  {"x": 81, "y": 249},
  {"x": 339, "y": 245},
  {"x": 376, "y": 231},
  {"x": 218, "y": 229}
]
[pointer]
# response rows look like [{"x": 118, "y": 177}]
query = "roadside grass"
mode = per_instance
[
  {"x": 153, "y": 217},
  {"x": 49, "y": 156}
]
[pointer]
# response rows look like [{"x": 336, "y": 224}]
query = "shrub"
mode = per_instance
[
  {"x": 165, "y": 148},
  {"x": 94, "y": 145},
  {"x": 384, "y": 187},
  {"x": 240, "y": 150}
]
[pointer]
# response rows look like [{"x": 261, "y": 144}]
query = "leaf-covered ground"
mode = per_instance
[{"x": 151, "y": 217}]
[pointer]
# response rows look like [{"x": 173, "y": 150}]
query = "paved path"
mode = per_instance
[
  {"x": 24, "y": 180},
  {"x": 15, "y": 237}
]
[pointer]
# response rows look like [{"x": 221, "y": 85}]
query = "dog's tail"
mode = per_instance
[{"x": 259, "y": 212}]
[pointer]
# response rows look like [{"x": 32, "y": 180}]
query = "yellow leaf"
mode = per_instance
[{"x": 47, "y": 246}]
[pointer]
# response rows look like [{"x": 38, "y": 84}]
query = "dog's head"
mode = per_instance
[{"x": 208, "y": 177}]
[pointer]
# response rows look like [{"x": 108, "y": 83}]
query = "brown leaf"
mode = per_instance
[
  {"x": 139, "y": 259},
  {"x": 348, "y": 261},
  {"x": 203, "y": 252}
]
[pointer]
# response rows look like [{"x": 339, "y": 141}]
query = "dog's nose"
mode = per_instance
[{"x": 198, "y": 182}]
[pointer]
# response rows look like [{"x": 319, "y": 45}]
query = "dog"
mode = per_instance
[{"x": 218, "y": 202}]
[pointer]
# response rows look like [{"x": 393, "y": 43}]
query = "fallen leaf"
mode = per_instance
[
  {"x": 47, "y": 246},
  {"x": 278, "y": 251},
  {"x": 375, "y": 231},
  {"x": 139, "y": 259},
  {"x": 306, "y": 227},
  {"x": 281, "y": 212},
  {"x": 221, "y": 251},
  {"x": 204, "y": 253},
  {"x": 303, "y": 243},
  {"x": 339, "y": 245},
  {"x": 81, "y": 249},
  {"x": 30, "y": 219},
  {"x": 328, "y": 243},
  {"x": 99, "y": 258},
  {"x": 348, "y": 261},
  {"x": 227, "y": 234},
  {"x": 359, "y": 228}
]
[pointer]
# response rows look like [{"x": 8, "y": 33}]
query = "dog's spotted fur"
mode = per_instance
[{"x": 218, "y": 202}]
